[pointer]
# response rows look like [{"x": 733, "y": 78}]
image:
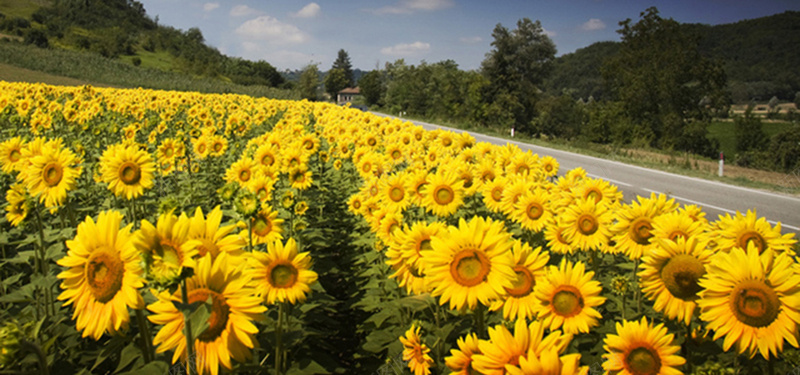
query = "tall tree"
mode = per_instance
[
  {"x": 309, "y": 80},
  {"x": 372, "y": 88},
  {"x": 667, "y": 87},
  {"x": 516, "y": 67},
  {"x": 334, "y": 82},
  {"x": 343, "y": 62}
]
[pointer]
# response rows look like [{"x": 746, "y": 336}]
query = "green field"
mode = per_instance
[
  {"x": 725, "y": 133},
  {"x": 99, "y": 70}
]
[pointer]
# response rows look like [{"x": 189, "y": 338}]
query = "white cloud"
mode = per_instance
[
  {"x": 210, "y": 6},
  {"x": 281, "y": 59},
  {"x": 309, "y": 11},
  {"x": 405, "y": 49},
  {"x": 272, "y": 30},
  {"x": 411, "y": 6},
  {"x": 593, "y": 24},
  {"x": 549, "y": 32},
  {"x": 471, "y": 40},
  {"x": 243, "y": 10}
]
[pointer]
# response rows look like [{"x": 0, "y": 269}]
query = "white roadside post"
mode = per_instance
[{"x": 721, "y": 163}]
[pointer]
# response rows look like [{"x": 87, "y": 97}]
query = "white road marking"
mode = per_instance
[{"x": 609, "y": 180}]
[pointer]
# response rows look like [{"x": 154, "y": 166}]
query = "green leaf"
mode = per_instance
[
  {"x": 129, "y": 354},
  {"x": 199, "y": 318},
  {"x": 152, "y": 368}
]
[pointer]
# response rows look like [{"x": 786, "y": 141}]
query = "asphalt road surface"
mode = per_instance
[{"x": 716, "y": 198}]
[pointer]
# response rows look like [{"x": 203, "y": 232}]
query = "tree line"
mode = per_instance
[{"x": 658, "y": 91}]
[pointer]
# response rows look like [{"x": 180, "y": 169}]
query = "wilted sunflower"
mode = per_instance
[
  {"x": 415, "y": 352},
  {"x": 641, "y": 348},
  {"x": 568, "y": 297},
  {"x": 670, "y": 276},
  {"x": 102, "y": 275},
  {"x": 127, "y": 170},
  {"x": 50, "y": 175},
  {"x": 752, "y": 299},
  {"x": 164, "y": 247},
  {"x": 529, "y": 266},
  {"x": 234, "y": 307},
  {"x": 282, "y": 274},
  {"x": 470, "y": 263}
]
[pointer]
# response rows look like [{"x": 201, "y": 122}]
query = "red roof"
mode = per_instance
[{"x": 350, "y": 90}]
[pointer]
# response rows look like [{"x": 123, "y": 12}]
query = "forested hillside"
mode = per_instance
[
  {"x": 122, "y": 29},
  {"x": 760, "y": 58}
]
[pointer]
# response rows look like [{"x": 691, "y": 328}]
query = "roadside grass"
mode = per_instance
[
  {"x": 97, "y": 69},
  {"x": 725, "y": 132},
  {"x": 673, "y": 162},
  {"x": 154, "y": 60}
]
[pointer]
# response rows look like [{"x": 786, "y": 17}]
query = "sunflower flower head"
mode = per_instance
[
  {"x": 164, "y": 248},
  {"x": 415, "y": 352},
  {"x": 283, "y": 274}
]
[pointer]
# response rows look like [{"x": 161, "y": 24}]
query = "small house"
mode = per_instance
[{"x": 347, "y": 95}]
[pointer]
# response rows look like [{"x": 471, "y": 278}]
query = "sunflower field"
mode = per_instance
[{"x": 164, "y": 232}]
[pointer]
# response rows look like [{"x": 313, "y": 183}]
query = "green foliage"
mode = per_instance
[
  {"x": 664, "y": 82},
  {"x": 518, "y": 63},
  {"x": 309, "y": 80},
  {"x": 560, "y": 116},
  {"x": 343, "y": 63},
  {"x": 372, "y": 87},
  {"x": 749, "y": 132},
  {"x": 580, "y": 71},
  {"x": 37, "y": 38},
  {"x": 334, "y": 82}
]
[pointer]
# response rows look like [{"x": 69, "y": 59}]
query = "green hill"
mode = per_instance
[
  {"x": 122, "y": 30},
  {"x": 760, "y": 57}
]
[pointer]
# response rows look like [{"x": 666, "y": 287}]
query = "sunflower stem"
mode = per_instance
[
  {"x": 187, "y": 330},
  {"x": 43, "y": 263},
  {"x": 480, "y": 320},
  {"x": 279, "y": 339},
  {"x": 144, "y": 333},
  {"x": 250, "y": 235},
  {"x": 637, "y": 292}
]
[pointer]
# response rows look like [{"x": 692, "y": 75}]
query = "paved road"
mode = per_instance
[{"x": 716, "y": 198}]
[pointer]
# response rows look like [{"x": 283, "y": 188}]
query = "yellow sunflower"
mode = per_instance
[
  {"x": 127, "y": 170},
  {"x": 52, "y": 174},
  {"x": 241, "y": 171},
  {"x": 674, "y": 225},
  {"x": 641, "y": 348},
  {"x": 11, "y": 154},
  {"x": 300, "y": 178},
  {"x": 587, "y": 224},
  {"x": 752, "y": 299},
  {"x": 529, "y": 266},
  {"x": 415, "y": 352},
  {"x": 556, "y": 242},
  {"x": 532, "y": 211},
  {"x": 544, "y": 356},
  {"x": 568, "y": 297},
  {"x": 164, "y": 247},
  {"x": 262, "y": 186},
  {"x": 670, "y": 275},
  {"x": 460, "y": 360},
  {"x": 515, "y": 188},
  {"x": 208, "y": 237},
  {"x": 394, "y": 192},
  {"x": 234, "y": 307},
  {"x": 741, "y": 230},
  {"x": 266, "y": 155},
  {"x": 504, "y": 352},
  {"x": 549, "y": 166},
  {"x": 443, "y": 194},
  {"x": 102, "y": 275},
  {"x": 405, "y": 255},
  {"x": 282, "y": 274},
  {"x": 632, "y": 230},
  {"x": 17, "y": 208},
  {"x": 470, "y": 263},
  {"x": 265, "y": 227},
  {"x": 596, "y": 189}
]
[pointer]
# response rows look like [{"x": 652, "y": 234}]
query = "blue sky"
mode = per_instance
[{"x": 292, "y": 34}]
